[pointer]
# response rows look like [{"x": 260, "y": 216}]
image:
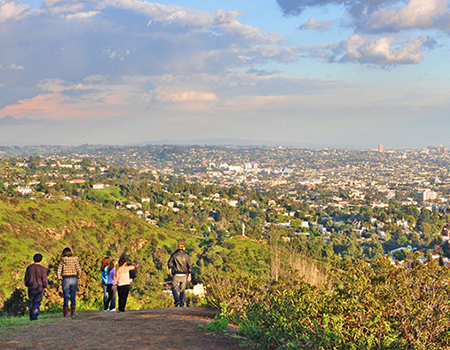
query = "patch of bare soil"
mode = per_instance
[{"x": 170, "y": 328}]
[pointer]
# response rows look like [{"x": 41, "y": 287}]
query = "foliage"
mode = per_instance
[
  {"x": 17, "y": 303},
  {"x": 370, "y": 307},
  {"x": 92, "y": 231},
  {"x": 220, "y": 322}
]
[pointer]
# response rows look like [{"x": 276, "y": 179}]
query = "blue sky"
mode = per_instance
[{"x": 306, "y": 72}]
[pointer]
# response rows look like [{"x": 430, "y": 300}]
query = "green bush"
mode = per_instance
[
  {"x": 377, "y": 306},
  {"x": 17, "y": 303}
]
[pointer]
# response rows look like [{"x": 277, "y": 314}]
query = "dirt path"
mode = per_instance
[{"x": 171, "y": 328}]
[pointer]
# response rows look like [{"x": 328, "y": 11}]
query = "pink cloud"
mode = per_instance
[{"x": 52, "y": 106}]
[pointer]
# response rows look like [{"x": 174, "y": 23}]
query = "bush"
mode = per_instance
[
  {"x": 377, "y": 306},
  {"x": 17, "y": 303}
]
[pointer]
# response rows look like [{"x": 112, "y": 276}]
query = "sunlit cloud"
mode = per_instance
[
  {"x": 10, "y": 9},
  {"x": 367, "y": 49},
  {"x": 417, "y": 14},
  {"x": 385, "y": 31},
  {"x": 129, "y": 63}
]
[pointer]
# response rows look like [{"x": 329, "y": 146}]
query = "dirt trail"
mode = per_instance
[{"x": 170, "y": 328}]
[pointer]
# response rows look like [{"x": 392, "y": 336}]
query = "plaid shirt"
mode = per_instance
[{"x": 69, "y": 266}]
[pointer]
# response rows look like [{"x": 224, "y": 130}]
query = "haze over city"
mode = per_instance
[{"x": 309, "y": 73}]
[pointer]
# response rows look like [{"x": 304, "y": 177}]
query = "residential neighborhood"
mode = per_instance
[{"x": 373, "y": 202}]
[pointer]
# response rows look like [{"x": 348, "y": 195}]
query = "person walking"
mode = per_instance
[
  {"x": 104, "y": 272},
  {"x": 180, "y": 268},
  {"x": 123, "y": 281},
  {"x": 110, "y": 304},
  {"x": 69, "y": 271},
  {"x": 36, "y": 281}
]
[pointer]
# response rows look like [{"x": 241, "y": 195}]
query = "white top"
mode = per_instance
[{"x": 123, "y": 279}]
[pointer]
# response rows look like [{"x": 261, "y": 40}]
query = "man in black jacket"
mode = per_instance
[
  {"x": 36, "y": 281},
  {"x": 180, "y": 268}
]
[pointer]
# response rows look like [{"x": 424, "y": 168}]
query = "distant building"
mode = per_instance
[
  {"x": 446, "y": 234},
  {"x": 77, "y": 181},
  {"x": 440, "y": 149},
  {"x": 426, "y": 195},
  {"x": 24, "y": 191},
  {"x": 380, "y": 148}
]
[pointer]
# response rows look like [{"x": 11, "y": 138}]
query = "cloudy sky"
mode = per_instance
[{"x": 334, "y": 73}]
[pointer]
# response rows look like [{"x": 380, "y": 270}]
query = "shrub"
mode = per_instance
[
  {"x": 377, "y": 306},
  {"x": 17, "y": 303}
]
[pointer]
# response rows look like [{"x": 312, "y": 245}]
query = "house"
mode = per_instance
[
  {"x": 151, "y": 221},
  {"x": 232, "y": 203},
  {"x": 446, "y": 233},
  {"x": 77, "y": 181},
  {"x": 98, "y": 186},
  {"x": 24, "y": 191}
]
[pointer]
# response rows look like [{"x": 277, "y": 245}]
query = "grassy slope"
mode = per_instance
[{"x": 47, "y": 226}]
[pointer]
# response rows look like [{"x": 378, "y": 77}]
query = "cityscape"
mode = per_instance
[
  {"x": 291, "y": 156},
  {"x": 375, "y": 198}
]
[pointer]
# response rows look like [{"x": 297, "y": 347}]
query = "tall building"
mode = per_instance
[
  {"x": 426, "y": 195},
  {"x": 380, "y": 148}
]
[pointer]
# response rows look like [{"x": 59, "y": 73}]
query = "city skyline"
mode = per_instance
[{"x": 294, "y": 72}]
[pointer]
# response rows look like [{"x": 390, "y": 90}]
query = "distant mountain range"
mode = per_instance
[{"x": 231, "y": 142}]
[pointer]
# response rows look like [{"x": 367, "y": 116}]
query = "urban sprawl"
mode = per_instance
[{"x": 355, "y": 202}]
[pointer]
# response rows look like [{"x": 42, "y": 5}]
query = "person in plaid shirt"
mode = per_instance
[{"x": 69, "y": 271}]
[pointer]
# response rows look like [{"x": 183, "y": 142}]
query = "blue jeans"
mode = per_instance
[
  {"x": 179, "y": 284},
  {"x": 34, "y": 303},
  {"x": 69, "y": 287},
  {"x": 105, "y": 294}
]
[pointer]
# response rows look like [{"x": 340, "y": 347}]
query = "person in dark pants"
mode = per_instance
[
  {"x": 123, "y": 281},
  {"x": 180, "y": 268},
  {"x": 36, "y": 281}
]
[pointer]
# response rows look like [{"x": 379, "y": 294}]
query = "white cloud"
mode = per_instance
[
  {"x": 381, "y": 29},
  {"x": 314, "y": 24},
  {"x": 186, "y": 96},
  {"x": 422, "y": 14},
  {"x": 159, "y": 12},
  {"x": 15, "y": 66},
  {"x": 69, "y": 8},
  {"x": 82, "y": 15},
  {"x": 10, "y": 9},
  {"x": 367, "y": 49}
]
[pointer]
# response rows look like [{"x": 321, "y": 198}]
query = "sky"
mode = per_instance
[{"x": 308, "y": 73}]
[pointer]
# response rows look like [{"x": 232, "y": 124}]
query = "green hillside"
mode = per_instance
[{"x": 47, "y": 226}]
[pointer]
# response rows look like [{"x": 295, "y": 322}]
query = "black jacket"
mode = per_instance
[{"x": 180, "y": 262}]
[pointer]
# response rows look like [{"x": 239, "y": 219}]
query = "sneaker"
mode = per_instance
[
  {"x": 107, "y": 310},
  {"x": 114, "y": 309}
]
